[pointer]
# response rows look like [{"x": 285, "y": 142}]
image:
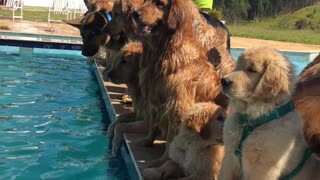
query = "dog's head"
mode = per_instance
[
  {"x": 164, "y": 15},
  {"x": 121, "y": 16},
  {"x": 207, "y": 120},
  {"x": 92, "y": 32},
  {"x": 125, "y": 65},
  {"x": 262, "y": 74}
]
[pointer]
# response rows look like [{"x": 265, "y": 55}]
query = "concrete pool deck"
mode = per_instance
[{"x": 62, "y": 29}]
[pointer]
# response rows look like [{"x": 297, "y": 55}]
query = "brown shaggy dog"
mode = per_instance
[
  {"x": 307, "y": 101},
  {"x": 263, "y": 137},
  {"x": 122, "y": 18},
  {"x": 197, "y": 150},
  {"x": 215, "y": 41},
  {"x": 97, "y": 5},
  {"x": 125, "y": 70},
  {"x": 175, "y": 72}
]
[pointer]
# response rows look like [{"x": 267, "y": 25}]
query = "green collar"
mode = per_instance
[
  {"x": 250, "y": 124},
  {"x": 277, "y": 113}
]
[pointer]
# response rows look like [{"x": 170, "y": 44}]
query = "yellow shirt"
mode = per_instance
[{"x": 204, "y": 4}]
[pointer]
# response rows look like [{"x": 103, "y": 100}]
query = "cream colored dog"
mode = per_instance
[
  {"x": 197, "y": 151},
  {"x": 258, "y": 146}
]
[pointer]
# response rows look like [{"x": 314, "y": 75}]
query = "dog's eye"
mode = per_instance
[
  {"x": 220, "y": 118},
  {"x": 160, "y": 4},
  {"x": 251, "y": 70}
]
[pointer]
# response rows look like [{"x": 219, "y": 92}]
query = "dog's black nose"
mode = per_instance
[
  {"x": 226, "y": 82},
  {"x": 136, "y": 15}
]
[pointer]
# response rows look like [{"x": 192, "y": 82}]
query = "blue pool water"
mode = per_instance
[
  {"x": 299, "y": 60},
  {"x": 52, "y": 122}
]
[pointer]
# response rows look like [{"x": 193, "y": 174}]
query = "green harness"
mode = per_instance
[{"x": 250, "y": 124}]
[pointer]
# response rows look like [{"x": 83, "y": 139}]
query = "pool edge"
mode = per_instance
[{"x": 126, "y": 152}]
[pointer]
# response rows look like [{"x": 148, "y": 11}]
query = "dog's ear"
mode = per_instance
[
  {"x": 75, "y": 23},
  {"x": 174, "y": 19},
  {"x": 179, "y": 14},
  {"x": 276, "y": 79},
  {"x": 98, "y": 19},
  {"x": 199, "y": 116},
  {"x": 129, "y": 6}
]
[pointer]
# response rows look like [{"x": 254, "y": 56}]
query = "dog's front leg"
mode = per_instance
[
  {"x": 230, "y": 169},
  {"x": 152, "y": 116},
  {"x": 122, "y": 118},
  {"x": 133, "y": 127}
]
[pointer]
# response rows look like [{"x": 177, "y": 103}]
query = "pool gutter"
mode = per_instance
[{"x": 126, "y": 151}]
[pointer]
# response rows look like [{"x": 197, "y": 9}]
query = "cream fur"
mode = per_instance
[
  {"x": 274, "y": 149},
  {"x": 197, "y": 151}
]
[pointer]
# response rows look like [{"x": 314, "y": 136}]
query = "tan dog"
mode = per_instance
[
  {"x": 125, "y": 70},
  {"x": 197, "y": 150},
  {"x": 307, "y": 101},
  {"x": 175, "y": 72},
  {"x": 263, "y": 136}
]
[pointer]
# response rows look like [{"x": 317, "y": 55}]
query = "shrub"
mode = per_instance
[
  {"x": 301, "y": 24},
  {"x": 216, "y": 13}
]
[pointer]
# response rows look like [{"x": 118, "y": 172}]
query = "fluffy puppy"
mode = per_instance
[
  {"x": 177, "y": 75},
  {"x": 262, "y": 85},
  {"x": 307, "y": 101},
  {"x": 125, "y": 70},
  {"x": 197, "y": 150}
]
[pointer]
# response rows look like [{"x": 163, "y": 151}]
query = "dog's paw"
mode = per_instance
[
  {"x": 146, "y": 142},
  {"x": 155, "y": 163},
  {"x": 151, "y": 174},
  {"x": 125, "y": 99}
]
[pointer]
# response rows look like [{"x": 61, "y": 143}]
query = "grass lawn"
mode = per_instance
[
  {"x": 302, "y": 26},
  {"x": 260, "y": 32},
  {"x": 35, "y": 13}
]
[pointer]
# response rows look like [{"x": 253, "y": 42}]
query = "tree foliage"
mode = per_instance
[{"x": 253, "y": 9}]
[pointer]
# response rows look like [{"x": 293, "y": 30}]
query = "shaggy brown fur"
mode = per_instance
[
  {"x": 97, "y": 5},
  {"x": 197, "y": 150},
  {"x": 175, "y": 72},
  {"x": 122, "y": 18},
  {"x": 215, "y": 41},
  {"x": 125, "y": 70},
  {"x": 307, "y": 102}
]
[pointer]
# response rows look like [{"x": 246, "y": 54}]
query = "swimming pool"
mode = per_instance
[
  {"x": 298, "y": 59},
  {"x": 52, "y": 118}
]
